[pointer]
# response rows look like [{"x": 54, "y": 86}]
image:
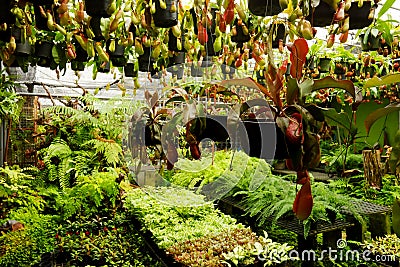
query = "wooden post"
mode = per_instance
[{"x": 372, "y": 168}]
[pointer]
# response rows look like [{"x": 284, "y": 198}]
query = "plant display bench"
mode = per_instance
[
  {"x": 331, "y": 231},
  {"x": 379, "y": 220}
]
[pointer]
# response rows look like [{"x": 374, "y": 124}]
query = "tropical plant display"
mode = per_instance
[
  {"x": 136, "y": 180},
  {"x": 187, "y": 227}
]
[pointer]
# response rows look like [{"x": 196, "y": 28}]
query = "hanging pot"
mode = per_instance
[
  {"x": 373, "y": 42},
  {"x": 118, "y": 61},
  {"x": 173, "y": 42},
  {"x": 324, "y": 64},
  {"x": 164, "y": 18},
  {"x": 359, "y": 16},
  {"x": 280, "y": 34},
  {"x": 129, "y": 70},
  {"x": 265, "y": 139},
  {"x": 264, "y": 7},
  {"x": 98, "y": 8},
  {"x": 43, "y": 50},
  {"x": 17, "y": 33},
  {"x": 146, "y": 61},
  {"x": 340, "y": 67},
  {"x": 81, "y": 54},
  {"x": 176, "y": 65},
  {"x": 77, "y": 65},
  {"x": 105, "y": 69},
  {"x": 322, "y": 15},
  {"x": 370, "y": 69},
  {"x": 5, "y": 35},
  {"x": 240, "y": 36},
  {"x": 119, "y": 49},
  {"x": 94, "y": 24},
  {"x": 23, "y": 49},
  {"x": 5, "y": 14},
  {"x": 40, "y": 22}
]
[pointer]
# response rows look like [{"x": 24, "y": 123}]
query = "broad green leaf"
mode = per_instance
[
  {"x": 379, "y": 113},
  {"x": 292, "y": 91},
  {"x": 175, "y": 99},
  {"x": 54, "y": 53},
  {"x": 396, "y": 216},
  {"x": 329, "y": 82},
  {"x": 387, "y": 4},
  {"x": 334, "y": 118},
  {"x": 306, "y": 87},
  {"x": 385, "y": 80}
]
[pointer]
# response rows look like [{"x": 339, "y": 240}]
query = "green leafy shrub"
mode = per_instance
[
  {"x": 25, "y": 246},
  {"x": 16, "y": 190},
  {"x": 92, "y": 195},
  {"x": 231, "y": 172},
  {"x": 174, "y": 215},
  {"x": 106, "y": 241}
]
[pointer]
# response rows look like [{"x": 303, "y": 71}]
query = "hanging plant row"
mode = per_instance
[{"x": 153, "y": 34}]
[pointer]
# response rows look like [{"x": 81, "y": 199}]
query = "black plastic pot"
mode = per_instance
[
  {"x": 240, "y": 37},
  {"x": 264, "y": 7},
  {"x": 359, "y": 15},
  {"x": 340, "y": 67},
  {"x": 43, "y": 49},
  {"x": 23, "y": 49},
  {"x": 129, "y": 70},
  {"x": 77, "y": 65},
  {"x": 322, "y": 15},
  {"x": 81, "y": 54},
  {"x": 324, "y": 64},
  {"x": 173, "y": 42},
  {"x": 230, "y": 70},
  {"x": 5, "y": 35},
  {"x": 369, "y": 69},
  {"x": 280, "y": 34},
  {"x": 164, "y": 18},
  {"x": 118, "y": 52},
  {"x": 98, "y": 8},
  {"x": 118, "y": 61},
  {"x": 17, "y": 33},
  {"x": 265, "y": 139},
  {"x": 373, "y": 42},
  {"x": 5, "y": 14},
  {"x": 106, "y": 68},
  {"x": 95, "y": 25},
  {"x": 146, "y": 61}
]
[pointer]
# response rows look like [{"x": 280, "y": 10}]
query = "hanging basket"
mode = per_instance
[
  {"x": 164, "y": 18},
  {"x": 359, "y": 16},
  {"x": 240, "y": 36},
  {"x": 280, "y": 34},
  {"x": 23, "y": 49},
  {"x": 340, "y": 67},
  {"x": 43, "y": 51},
  {"x": 106, "y": 68},
  {"x": 77, "y": 65},
  {"x": 322, "y": 15},
  {"x": 118, "y": 61},
  {"x": 95, "y": 25},
  {"x": 81, "y": 54},
  {"x": 324, "y": 64},
  {"x": 119, "y": 49},
  {"x": 196, "y": 71},
  {"x": 129, "y": 70},
  {"x": 264, "y": 7},
  {"x": 5, "y": 14},
  {"x": 372, "y": 44},
  {"x": 98, "y": 8},
  {"x": 173, "y": 42},
  {"x": 40, "y": 22}
]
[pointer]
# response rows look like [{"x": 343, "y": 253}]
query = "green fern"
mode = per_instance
[{"x": 111, "y": 151}]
